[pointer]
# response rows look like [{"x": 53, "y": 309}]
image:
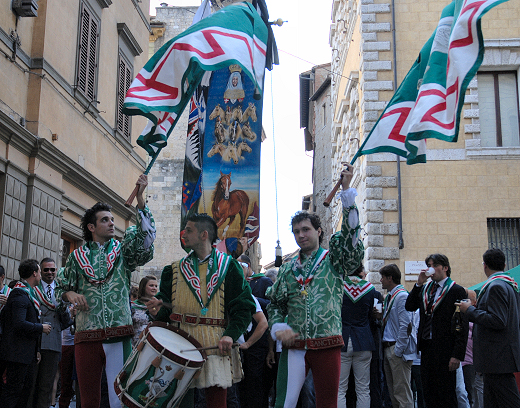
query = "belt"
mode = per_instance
[
  {"x": 103, "y": 334},
  {"x": 320, "y": 343},
  {"x": 189, "y": 319},
  {"x": 388, "y": 344}
]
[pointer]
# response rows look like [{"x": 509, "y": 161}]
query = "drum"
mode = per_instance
[{"x": 160, "y": 370}]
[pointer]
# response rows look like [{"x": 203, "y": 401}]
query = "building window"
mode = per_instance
[
  {"x": 504, "y": 234},
  {"x": 88, "y": 53},
  {"x": 498, "y": 109},
  {"x": 124, "y": 80}
]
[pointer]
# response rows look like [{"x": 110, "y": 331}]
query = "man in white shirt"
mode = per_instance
[{"x": 397, "y": 363}]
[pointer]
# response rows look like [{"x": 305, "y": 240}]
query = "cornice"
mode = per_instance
[
  {"x": 42, "y": 149},
  {"x": 127, "y": 36},
  {"x": 141, "y": 14}
]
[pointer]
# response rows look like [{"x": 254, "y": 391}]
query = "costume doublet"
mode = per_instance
[
  {"x": 307, "y": 298},
  {"x": 102, "y": 274},
  {"x": 226, "y": 312}
]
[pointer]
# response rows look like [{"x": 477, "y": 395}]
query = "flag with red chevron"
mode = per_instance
[
  {"x": 429, "y": 101},
  {"x": 162, "y": 89}
]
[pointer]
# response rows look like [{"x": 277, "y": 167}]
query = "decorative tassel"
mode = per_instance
[{"x": 278, "y": 255}]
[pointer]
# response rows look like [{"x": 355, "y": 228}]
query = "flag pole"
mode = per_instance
[{"x": 130, "y": 199}]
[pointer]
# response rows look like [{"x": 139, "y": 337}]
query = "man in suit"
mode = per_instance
[
  {"x": 397, "y": 356},
  {"x": 442, "y": 347},
  {"x": 496, "y": 344},
  {"x": 50, "y": 349},
  {"x": 358, "y": 301},
  {"x": 21, "y": 334}
]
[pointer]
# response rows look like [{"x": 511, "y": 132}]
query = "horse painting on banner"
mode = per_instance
[
  {"x": 231, "y": 153},
  {"x": 227, "y": 204}
]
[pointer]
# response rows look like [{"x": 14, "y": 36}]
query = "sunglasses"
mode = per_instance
[{"x": 49, "y": 269}]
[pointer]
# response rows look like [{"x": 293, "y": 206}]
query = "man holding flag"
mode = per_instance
[{"x": 496, "y": 344}]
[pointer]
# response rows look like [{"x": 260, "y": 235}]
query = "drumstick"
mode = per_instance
[
  {"x": 207, "y": 348},
  {"x": 165, "y": 304}
]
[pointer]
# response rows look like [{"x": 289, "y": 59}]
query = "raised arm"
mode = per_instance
[{"x": 346, "y": 247}]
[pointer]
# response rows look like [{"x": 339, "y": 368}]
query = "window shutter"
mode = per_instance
[
  {"x": 87, "y": 61},
  {"x": 125, "y": 79}
]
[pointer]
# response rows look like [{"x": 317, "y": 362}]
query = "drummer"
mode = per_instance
[
  {"x": 217, "y": 315},
  {"x": 96, "y": 280}
]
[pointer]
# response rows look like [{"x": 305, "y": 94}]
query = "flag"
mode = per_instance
[
  {"x": 429, "y": 101},
  {"x": 163, "y": 88}
]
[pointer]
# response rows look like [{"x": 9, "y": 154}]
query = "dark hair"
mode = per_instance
[
  {"x": 13, "y": 283},
  {"x": 359, "y": 270},
  {"x": 47, "y": 260},
  {"x": 27, "y": 268},
  {"x": 245, "y": 258},
  {"x": 440, "y": 260},
  {"x": 393, "y": 271},
  {"x": 204, "y": 222},
  {"x": 2, "y": 271},
  {"x": 312, "y": 217},
  {"x": 133, "y": 292},
  {"x": 494, "y": 259},
  {"x": 90, "y": 217},
  {"x": 142, "y": 285}
]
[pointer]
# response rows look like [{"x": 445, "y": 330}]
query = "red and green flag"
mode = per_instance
[
  {"x": 429, "y": 101},
  {"x": 163, "y": 88}
]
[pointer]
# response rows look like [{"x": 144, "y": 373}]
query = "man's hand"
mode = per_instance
[
  {"x": 454, "y": 364},
  {"x": 463, "y": 305},
  {"x": 244, "y": 346},
  {"x": 142, "y": 182},
  {"x": 3, "y": 299},
  {"x": 77, "y": 300},
  {"x": 346, "y": 176},
  {"x": 47, "y": 328},
  {"x": 422, "y": 278},
  {"x": 153, "y": 306},
  {"x": 225, "y": 344},
  {"x": 376, "y": 314},
  {"x": 270, "y": 360},
  {"x": 287, "y": 337}
]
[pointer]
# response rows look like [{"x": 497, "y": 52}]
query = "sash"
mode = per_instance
[
  {"x": 356, "y": 290},
  {"x": 137, "y": 304},
  {"x": 83, "y": 257},
  {"x": 217, "y": 268},
  {"x": 43, "y": 298},
  {"x": 305, "y": 273},
  {"x": 426, "y": 290},
  {"x": 30, "y": 291},
  {"x": 6, "y": 290},
  {"x": 499, "y": 276},
  {"x": 389, "y": 302}
]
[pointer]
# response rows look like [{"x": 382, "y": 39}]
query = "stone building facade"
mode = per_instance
[
  {"x": 64, "y": 143},
  {"x": 465, "y": 199},
  {"x": 315, "y": 118}
]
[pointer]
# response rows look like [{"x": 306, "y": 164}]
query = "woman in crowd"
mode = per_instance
[{"x": 148, "y": 288}]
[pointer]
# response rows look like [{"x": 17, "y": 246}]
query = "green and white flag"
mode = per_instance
[
  {"x": 429, "y": 100},
  {"x": 162, "y": 89}
]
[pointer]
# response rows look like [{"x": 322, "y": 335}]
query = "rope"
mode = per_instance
[{"x": 274, "y": 158}]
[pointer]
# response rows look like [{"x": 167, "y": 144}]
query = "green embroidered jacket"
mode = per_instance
[
  {"x": 109, "y": 302},
  {"x": 318, "y": 314}
]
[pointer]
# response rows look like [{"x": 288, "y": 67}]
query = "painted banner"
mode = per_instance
[{"x": 222, "y": 166}]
